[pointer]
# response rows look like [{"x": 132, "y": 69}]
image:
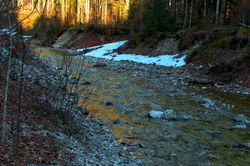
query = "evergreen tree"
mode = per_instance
[
  {"x": 156, "y": 17},
  {"x": 150, "y": 16}
]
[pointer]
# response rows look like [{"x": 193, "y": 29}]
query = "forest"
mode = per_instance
[{"x": 141, "y": 14}]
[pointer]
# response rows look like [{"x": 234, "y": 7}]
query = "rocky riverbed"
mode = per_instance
[
  {"x": 161, "y": 75},
  {"x": 204, "y": 128}
]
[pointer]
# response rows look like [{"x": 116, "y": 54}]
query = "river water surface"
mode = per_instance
[{"x": 203, "y": 133}]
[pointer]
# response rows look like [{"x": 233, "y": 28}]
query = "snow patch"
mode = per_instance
[
  {"x": 8, "y": 32},
  {"x": 106, "y": 51}
]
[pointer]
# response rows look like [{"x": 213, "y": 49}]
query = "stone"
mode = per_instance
[
  {"x": 117, "y": 121},
  {"x": 154, "y": 106},
  {"x": 186, "y": 117},
  {"x": 247, "y": 145},
  {"x": 240, "y": 118},
  {"x": 169, "y": 114},
  {"x": 247, "y": 122},
  {"x": 141, "y": 145},
  {"x": 156, "y": 114},
  {"x": 240, "y": 126},
  {"x": 208, "y": 103},
  {"x": 84, "y": 111},
  {"x": 107, "y": 103}
]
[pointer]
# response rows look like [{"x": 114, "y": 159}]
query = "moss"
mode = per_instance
[
  {"x": 222, "y": 43},
  {"x": 1, "y": 72},
  {"x": 136, "y": 40},
  {"x": 228, "y": 32},
  {"x": 192, "y": 57},
  {"x": 188, "y": 40},
  {"x": 57, "y": 147},
  {"x": 55, "y": 120},
  {"x": 106, "y": 30},
  {"x": 245, "y": 31}
]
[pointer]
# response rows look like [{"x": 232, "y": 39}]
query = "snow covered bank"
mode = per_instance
[{"x": 107, "y": 51}]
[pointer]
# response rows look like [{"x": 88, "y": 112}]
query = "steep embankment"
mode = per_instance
[{"x": 223, "y": 53}]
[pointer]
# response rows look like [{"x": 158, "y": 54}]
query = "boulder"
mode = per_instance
[
  {"x": 240, "y": 118},
  {"x": 65, "y": 39},
  {"x": 156, "y": 114},
  {"x": 169, "y": 114}
]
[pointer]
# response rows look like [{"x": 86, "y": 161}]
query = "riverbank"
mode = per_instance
[
  {"x": 204, "y": 55},
  {"x": 123, "y": 100},
  {"x": 165, "y": 76},
  {"x": 124, "y": 93},
  {"x": 53, "y": 130}
]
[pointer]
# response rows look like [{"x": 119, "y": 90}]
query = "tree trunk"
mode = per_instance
[
  {"x": 87, "y": 10},
  {"x": 217, "y": 12},
  {"x": 205, "y": 12},
  {"x": 191, "y": 13},
  {"x": 6, "y": 87},
  {"x": 105, "y": 11},
  {"x": 185, "y": 15},
  {"x": 173, "y": 8},
  {"x": 223, "y": 12}
]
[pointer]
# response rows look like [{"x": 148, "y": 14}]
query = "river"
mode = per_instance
[{"x": 202, "y": 134}]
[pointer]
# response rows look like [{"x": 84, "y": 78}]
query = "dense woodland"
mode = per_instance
[
  {"x": 171, "y": 15},
  {"x": 142, "y": 15},
  {"x": 77, "y": 11}
]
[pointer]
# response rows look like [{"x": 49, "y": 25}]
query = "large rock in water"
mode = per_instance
[
  {"x": 156, "y": 114},
  {"x": 167, "y": 114},
  {"x": 240, "y": 118}
]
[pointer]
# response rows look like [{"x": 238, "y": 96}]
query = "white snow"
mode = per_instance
[
  {"x": 107, "y": 51},
  {"x": 8, "y": 32}
]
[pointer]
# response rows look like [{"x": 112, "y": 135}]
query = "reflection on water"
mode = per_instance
[{"x": 204, "y": 138}]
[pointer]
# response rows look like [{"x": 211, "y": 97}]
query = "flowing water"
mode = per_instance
[{"x": 201, "y": 135}]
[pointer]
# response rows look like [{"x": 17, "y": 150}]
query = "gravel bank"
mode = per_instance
[{"x": 166, "y": 76}]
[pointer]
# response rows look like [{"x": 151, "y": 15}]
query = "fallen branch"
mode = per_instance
[
  {"x": 219, "y": 29},
  {"x": 244, "y": 25},
  {"x": 200, "y": 82}
]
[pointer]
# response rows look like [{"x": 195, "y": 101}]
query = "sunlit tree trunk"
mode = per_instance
[
  {"x": 120, "y": 11},
  {"x": 32, "y": 4},
  {"x": 80, "y": 6},
  {"x": 63, "y": 10},
  {"x": 87, "y": 10},
  {"x": 66, "y": 10},
  {"x": 39, "y": 6},
  {"x": 105, "y": 12}
]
